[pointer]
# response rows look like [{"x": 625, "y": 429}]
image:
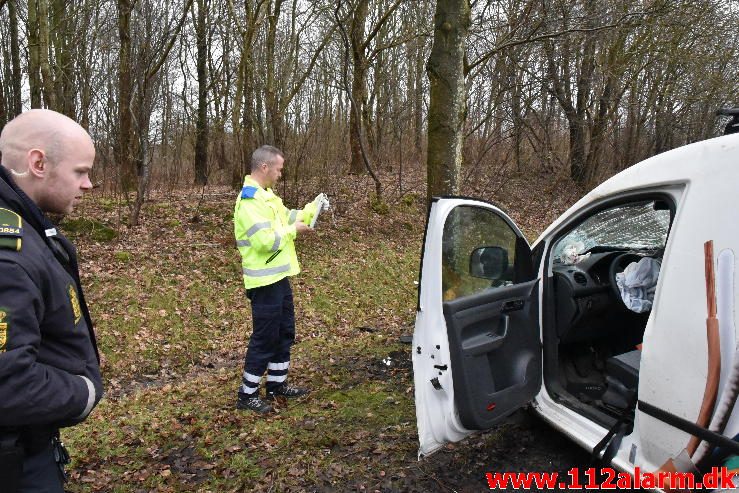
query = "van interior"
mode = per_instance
[{"x": 592, "y": 339}]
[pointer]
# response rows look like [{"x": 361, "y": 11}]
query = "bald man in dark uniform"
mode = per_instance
[{"x": 49, "y": 363}]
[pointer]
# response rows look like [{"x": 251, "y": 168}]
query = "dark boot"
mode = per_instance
[
  {"x": 253, "y": 403},
  {"x": 285, "y": 390}
]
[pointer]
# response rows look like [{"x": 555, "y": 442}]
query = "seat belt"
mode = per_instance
[{"x": 612, "y": 441}]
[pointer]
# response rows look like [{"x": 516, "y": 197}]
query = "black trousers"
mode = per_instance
[
  {"x": 273, "y": 316},
  {"x": 41, "y": 473}
]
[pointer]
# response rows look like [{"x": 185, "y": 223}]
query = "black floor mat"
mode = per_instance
[{"x": 582, "y": 372}]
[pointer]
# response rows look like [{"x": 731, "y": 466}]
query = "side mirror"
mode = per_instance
[{"x": 490, "y": 262}]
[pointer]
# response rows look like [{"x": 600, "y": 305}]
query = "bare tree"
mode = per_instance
[
  {"x": 447, "y": 105},
  {"x": 243, "y": 121},
  {"x": 16, "y": 75},
  {"x": 124, "y": 155},
  {"x": 356, "y": 111},
  {"x": 135, "y": 110},
  {"x": 201, "y": 127}
]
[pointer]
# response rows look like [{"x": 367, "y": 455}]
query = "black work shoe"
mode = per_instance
[
  {"x": 285, "y": 390},
  {"x": 253, "y": 404}
]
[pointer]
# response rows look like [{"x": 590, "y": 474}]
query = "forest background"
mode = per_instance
[
  {"x": 379, "y": 103},
  {"x": 179, "y": 93}
]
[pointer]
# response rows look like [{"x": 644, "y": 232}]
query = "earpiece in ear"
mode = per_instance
[{"x": 16, "y": 173}]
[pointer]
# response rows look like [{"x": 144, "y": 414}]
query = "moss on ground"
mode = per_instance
[{"x": 83, "y": 228}]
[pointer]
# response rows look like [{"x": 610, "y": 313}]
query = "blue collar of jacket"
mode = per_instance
[{"x": 252, "y": 189}]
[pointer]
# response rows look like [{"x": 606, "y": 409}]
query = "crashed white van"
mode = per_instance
[{"x": 617, "y": 361}]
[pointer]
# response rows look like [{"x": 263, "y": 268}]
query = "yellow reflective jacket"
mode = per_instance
[{"x": 265, "y": 234}]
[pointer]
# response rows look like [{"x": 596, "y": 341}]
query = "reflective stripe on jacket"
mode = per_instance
[{"x": 265, "y": 234}]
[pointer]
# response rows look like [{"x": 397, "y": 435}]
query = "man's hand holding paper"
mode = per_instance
[{"x": 322, "y": 204}]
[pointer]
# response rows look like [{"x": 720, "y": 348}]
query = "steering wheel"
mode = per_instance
[{"x": 618, "y": 264}]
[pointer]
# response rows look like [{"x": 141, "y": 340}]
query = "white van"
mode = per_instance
[{"x": 618, "y": 361}]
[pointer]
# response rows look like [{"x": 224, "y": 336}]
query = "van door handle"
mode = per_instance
[{"x": 512, "y": 306}]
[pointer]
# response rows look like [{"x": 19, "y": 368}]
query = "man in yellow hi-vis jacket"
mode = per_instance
[{"x": 265, "y": 236}]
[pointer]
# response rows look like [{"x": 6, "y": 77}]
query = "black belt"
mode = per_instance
[
  {"x": 18, "y": 443},
  {"x": 11, "y": 460},
  {"x": 32, "y": 439}
]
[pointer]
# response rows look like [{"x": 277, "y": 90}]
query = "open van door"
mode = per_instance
[{"x": 476, "y": 345}]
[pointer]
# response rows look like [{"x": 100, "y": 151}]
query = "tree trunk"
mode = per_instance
[
  {"x": 447, "y": 108},
  {"x": 64, "y": 50},
  {"x": 47, "y": 80},
  {"x": 86, "y": 56},
  {"x": 606, "y": 106},
  {"x": 662, "y": 126},
  {"x": 242, "y": 120},
  {"x": 514, "y": 84},
  {"x": 577, "y": 148},
  {"x": 34, "y": 74},
  {"x": 127, "y": 169},
  {"x": 15, "y": 107},
  {"x": 578, "y": 125},
  {"x": 419, "y": 99},
  {"x": 201, "y": 129},
  {"x": 359, "y": 87},
  {"x": 3, "y": 112},
  {"x": 142, "y": 159},
  {"x": 272, "y": 101}
]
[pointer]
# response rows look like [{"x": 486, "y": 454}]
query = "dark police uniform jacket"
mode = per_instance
[{"x": 49, "y": 364}]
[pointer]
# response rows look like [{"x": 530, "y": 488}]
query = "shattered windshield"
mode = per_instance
[{"x": 640, "y": 226}]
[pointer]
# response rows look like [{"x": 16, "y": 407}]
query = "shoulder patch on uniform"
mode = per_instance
[
  {"x": 3, "y": 331},
  {"x": 11, "y": 230},
  {"x": 75, "y": 302},
  {"x": 248, "y": 192}
]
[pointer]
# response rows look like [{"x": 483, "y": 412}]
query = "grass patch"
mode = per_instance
[
  {"x": 89, "y": 229},
  {"x": 379, "y": 206},
  {"x": 410, "y": 199},
  {"x": 121, "y": 256}
]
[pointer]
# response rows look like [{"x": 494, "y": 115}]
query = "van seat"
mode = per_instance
[{"x": 622, "y": 379}]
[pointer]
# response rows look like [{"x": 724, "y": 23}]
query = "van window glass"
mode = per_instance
[
  {"x": 636, "y": 226},
  {"x": 466, "y": 229}
]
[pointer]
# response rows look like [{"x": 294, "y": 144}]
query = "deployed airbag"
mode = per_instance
[{"x": 637, "y": 284}]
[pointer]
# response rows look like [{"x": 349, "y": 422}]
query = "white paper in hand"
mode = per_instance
[{"x": 322, "y": 204}]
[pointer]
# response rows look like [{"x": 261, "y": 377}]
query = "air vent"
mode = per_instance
[{"x": 580, "y": 278}]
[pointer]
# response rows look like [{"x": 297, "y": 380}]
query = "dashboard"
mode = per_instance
[{"x": 586, "y": 302}]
